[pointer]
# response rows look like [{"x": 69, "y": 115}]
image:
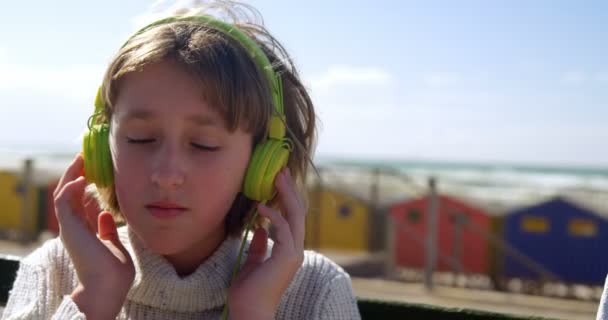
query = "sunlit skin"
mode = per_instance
[
  {"x": 170, "y": 147},
  {"x": 177, "y": 171}
]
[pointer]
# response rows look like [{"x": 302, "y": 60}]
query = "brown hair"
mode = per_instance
[{"x": 232, "y": 82}]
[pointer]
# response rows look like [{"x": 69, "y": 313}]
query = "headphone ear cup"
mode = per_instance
[
  {"x": 97, "y": 157},
  {"x": 266, "y": 162}
]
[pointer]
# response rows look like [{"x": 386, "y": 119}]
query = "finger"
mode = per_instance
[
  {"x": 285, "y": 255},
  {"x": 73, "y": 230},
  {"x": 292, "y": 206},
  {"x": 109, "y": 232},
  {"x": 76, "y": 200},
  {"x": 67, "y": 200},
  {"x": 107, "y": 226},
  {"x": 283, "y": 233},
  {"x": 256, "y": 252},
  {"x": 91, "y": 211},
  {"x": 258, "y": 246},
  {"x": 283, "y": 239},
  {"x": 71, "y": 173},
  {"x": 284, "y": 183}
]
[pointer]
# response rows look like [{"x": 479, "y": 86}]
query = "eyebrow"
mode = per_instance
[{"x": 200, "y": 120}]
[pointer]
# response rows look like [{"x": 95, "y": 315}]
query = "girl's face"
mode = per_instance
[{"x": 177, "y": 168}]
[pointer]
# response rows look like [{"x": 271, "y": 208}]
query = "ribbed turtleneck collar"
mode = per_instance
[{"x": 157, "y": 284}]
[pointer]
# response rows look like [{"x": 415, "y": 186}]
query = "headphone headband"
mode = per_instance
[
  {"x": 269, "y": 156},
  {"x": 249, "y": 44},
  {"x": 276, "y": 124}
]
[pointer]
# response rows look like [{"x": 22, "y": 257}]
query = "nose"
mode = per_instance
[{"x": 168, "y": 172}]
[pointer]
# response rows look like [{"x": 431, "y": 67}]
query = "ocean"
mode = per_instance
[
  {"x": 502, "y": 184},
  {"x": 499, "y": 184}
]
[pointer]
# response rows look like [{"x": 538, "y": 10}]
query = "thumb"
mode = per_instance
[
  {"x": 257, "y": 251},
  {"x": 107, "y": 229}
]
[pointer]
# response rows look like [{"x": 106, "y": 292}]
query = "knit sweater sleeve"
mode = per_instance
[
  {"x": 321, "y": 290},
  {"x": 602, "y": 310},
  {"x": 37, "y": 292},
  {"x": 338, "y": 300}
]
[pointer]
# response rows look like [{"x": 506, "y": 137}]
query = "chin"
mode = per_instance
[
  {"x": 163, "y": 247},
  {"x": 163, "y": 244}
]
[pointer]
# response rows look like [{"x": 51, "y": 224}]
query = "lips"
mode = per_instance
[{"x": 165, "y": 209}]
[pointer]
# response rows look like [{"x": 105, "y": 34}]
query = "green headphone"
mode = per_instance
[{"x": 269, "y": 156}]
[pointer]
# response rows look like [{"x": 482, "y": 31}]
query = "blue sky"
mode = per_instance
[{"x": 510, "y": 81}]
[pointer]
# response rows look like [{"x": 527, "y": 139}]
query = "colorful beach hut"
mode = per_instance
[
  {"x": 462, "y": 244},
  {"x": 18, "y": 216},
  {"x": 348, "y": 207},
  {"x": 561, "y": 235},
  {"x": 337, "y": 220}
]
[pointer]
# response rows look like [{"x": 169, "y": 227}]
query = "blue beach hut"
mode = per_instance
[{"x": 563, "y": 236}]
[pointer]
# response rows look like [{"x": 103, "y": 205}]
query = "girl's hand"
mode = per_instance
[
  {"x": 257, "y": 290},
  {"x": 103, "y": 265}
]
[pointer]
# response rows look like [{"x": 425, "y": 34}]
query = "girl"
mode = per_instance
[{"x": 185, "y": 103}]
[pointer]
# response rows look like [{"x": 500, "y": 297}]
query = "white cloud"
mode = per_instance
[
  {"x": 600, "y": 76},
  {"x": 578, "y": 78},
  {"x": 372, "y": 114},
  {"x": 162, "y": 8},
  {"x": 382, "y": 121},
  {"x": 75, "y": 82},
  {"x": 574, "y": 78},
  {"x": 154, "y": 11},
  {"x": 47, "y": 105},
  {"x": 432, "y": 131},
  {"x": 342, "y": 75},
  {"x": 441, "y": 79}
]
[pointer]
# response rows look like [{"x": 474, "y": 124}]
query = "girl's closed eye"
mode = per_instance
[
  {"x": 140, "y": 141},
  {"x": 205, "y": 147},
  {"x": 198, "y": 146}
]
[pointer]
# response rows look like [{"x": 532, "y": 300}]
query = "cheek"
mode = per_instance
[
  {"x": 126, "y": 185},
  {"x": 240, "y": 163},
  {"x": 126, "y": 167},
  {"x": 126, "y": 162},
  {"x": 223, "y": 177},
  {"x": 128, "y": 174}
]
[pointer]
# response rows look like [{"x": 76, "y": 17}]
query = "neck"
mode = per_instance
[{"x": 187, "y": 261}]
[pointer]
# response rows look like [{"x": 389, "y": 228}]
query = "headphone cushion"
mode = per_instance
[
  {"x": 266, "y": 162},
  {"x": 97, "y": 156}
]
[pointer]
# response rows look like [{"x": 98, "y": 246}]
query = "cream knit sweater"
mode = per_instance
[{"x": 46, "y": 278}]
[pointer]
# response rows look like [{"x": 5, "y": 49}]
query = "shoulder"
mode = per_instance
[
  {"x": 51, "y": 261},
  {"x": 319, "y": 290},
  {"x": 321, "y": 276},
  {"x": 602, "y": 311},
  {"x": 50, "y": 253},
  {"x": 320, "y": 268},
  {"x": 44, "y": 277},
  {"x": 317, "y": 276},
  {"x": 316, "y": 268},
  {"x": 316, "y": 272}
]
